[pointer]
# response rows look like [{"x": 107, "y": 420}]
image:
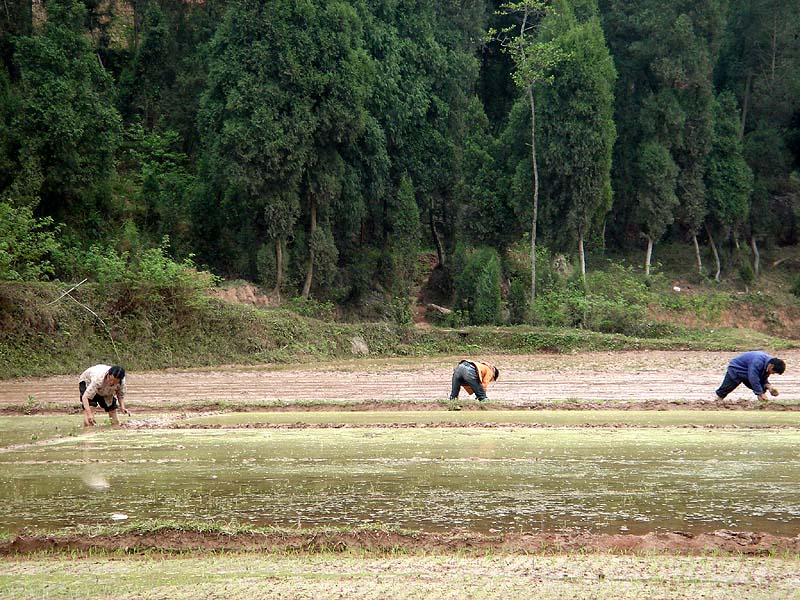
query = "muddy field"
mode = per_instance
[
  {"x": 625, "y": 494},
  {"x": 654, "y": 379}
]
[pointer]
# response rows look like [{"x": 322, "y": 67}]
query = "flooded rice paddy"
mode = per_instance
[{"x": 498, "y": 480}]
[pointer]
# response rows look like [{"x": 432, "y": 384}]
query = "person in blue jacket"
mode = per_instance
[{"x": 752, "y": 369}]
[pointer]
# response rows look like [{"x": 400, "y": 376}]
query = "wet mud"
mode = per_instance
[
  {"x": 385, "y": 542},
  {"x": 647, "y": 380}
]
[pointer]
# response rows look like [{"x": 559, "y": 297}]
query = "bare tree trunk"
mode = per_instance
[
  {"x": 310, "y": 269},
  {"x": 139, "y": 7},
  {"x": 437, "y": 240},
  {"x": 756, "y": 255},
  {"x": 774, "y": 51},
  {"x": 715, "y": 253},
  {"x": 648, "y": 256},
  {"x": 582, "y": 256},
  {"x": 697, "y": 254},
  {"x": 603, "y": 235},
  {"x": 745, "y": 103},
  {"x": 535, "y": 195},
  {"x": 276, "y": 292}
]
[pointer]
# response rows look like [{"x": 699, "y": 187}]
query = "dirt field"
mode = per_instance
[
  {"x": 649, "y": 378},
  {"x": 657, "y": 380}
]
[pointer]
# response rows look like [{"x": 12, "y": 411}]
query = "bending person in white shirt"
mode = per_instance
[{"x": 103, "y": 386}]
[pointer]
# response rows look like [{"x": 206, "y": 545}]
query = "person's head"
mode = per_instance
[
  {"x": 778, "y": 366},
  {"x": 496, "y": 373},
  {"x": 117, "y": 373}
]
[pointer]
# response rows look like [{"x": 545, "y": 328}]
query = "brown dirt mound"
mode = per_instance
[
  {"x": 381, "y": 542},
  {"x": 245, "y": 294}
]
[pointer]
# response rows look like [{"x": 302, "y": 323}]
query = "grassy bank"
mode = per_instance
[
  {"x": 413, "y": 577},
  {"x": 42, "y": 334}
]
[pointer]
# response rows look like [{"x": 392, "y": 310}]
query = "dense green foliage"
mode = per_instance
[
  {"x": 149, "y": 325},
  {"x": 316, "y": 147}
]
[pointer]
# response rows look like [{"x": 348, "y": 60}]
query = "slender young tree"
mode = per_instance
[
  {"x": 694, "y": 38},
  {"x": 403, "y": 239},
  {"x": 535, "y": 62},
  {"x": 657, "y": 199}
]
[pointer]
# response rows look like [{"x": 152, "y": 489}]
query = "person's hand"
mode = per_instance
[
  {"x": 125, "y": 411},
  {"x": 763, "y": 397},
  {"x": 88, "y": 418},
  {"x": 773, "y": 390}
]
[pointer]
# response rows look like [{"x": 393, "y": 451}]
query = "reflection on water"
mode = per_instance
[{"x": 498, "y": 480}]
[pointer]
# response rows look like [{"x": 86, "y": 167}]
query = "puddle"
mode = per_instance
[{"x": 436, "y": 480}]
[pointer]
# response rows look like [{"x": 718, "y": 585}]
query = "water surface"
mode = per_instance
[{"x": 488, "y": 480}]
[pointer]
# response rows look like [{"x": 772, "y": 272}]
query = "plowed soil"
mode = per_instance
[{"x": 646, "y": 379}]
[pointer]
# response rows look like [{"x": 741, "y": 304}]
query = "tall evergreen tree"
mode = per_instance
[
  {"x": 535, "y": 61},
  {"x": 285, "y": 92},
  {"x": 578, "y": 132},
  {"x": 67, "y": 122},
  {"x": 729, "y": 181},
  {"x": 759, "y": 63}
]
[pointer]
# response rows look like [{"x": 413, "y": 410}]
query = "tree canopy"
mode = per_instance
[{"x": 316, "y": 147}]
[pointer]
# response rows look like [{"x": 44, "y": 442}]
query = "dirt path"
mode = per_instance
[{"x": 651, "y": 378}]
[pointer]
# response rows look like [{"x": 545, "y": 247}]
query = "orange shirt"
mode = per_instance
[{"x": 485, "y": 374}]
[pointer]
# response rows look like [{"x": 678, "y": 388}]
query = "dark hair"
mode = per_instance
[
  {"x": 778, "y": 365},
  {"x": 496, "y": 373},
  {"x": 116, "y": 371}
]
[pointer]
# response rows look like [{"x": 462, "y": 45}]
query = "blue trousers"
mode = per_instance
[
  {"x": 466, "y": 374},
  {"x": 730, "y": 383}
]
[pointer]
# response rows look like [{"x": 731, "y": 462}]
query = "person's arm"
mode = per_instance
[
  {"x": 754, "y": 377},
  {"x": 121, "y": 398},
  {"x": 88, "y": 415},
  {"x": 486, "y": 374}
]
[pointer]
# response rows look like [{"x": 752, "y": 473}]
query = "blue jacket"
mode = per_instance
[{"x": 751, "y": 367}]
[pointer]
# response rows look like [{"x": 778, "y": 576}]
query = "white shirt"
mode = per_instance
[{"x": 94, "y": 377}]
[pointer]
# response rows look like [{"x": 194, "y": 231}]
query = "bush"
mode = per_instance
[
  {"x": 144, "y": 282},
  {"x": 398, "y": 311},
  {"x": 25, "y": 242},
  {"x": 614, "y": 316},
  {"x": 488, "y": 300},
  {"x": 561, "y": 306},
  {"x": 746, "y": 273},
  {"x": 309, "y": 307},
  {"x": 796, "y": 286},
  {"x": 477, "y": 284},
  {"x": 517, "y": 302}
]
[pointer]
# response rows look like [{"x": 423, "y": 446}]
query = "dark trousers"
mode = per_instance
[
  {"x": 98, "y": 400},
  {"x": 467, "y": 374},
  {"x": 730, "y": 383}
]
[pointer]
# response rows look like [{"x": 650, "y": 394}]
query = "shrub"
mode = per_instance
[
  {"x": 25, "y": 242},
  {"x": 746, "y": 273},
  {"x": 144, "y": 282},
  {"x": 309, "y": 307},
  {"x": 398, "y": 310},
  {"x": 614, "y": 316},
  {"x": 477, "y": 284},
  {"x": 517, "y": 302},
  {"x": 560, "y": 306},
  {"x": 488, "y": 300}
]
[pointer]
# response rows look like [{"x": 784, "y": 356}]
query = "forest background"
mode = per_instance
[{"x": 324, "y": 149}]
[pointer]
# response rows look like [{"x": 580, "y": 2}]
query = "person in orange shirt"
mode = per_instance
[{"x": 474, "y": 376}]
